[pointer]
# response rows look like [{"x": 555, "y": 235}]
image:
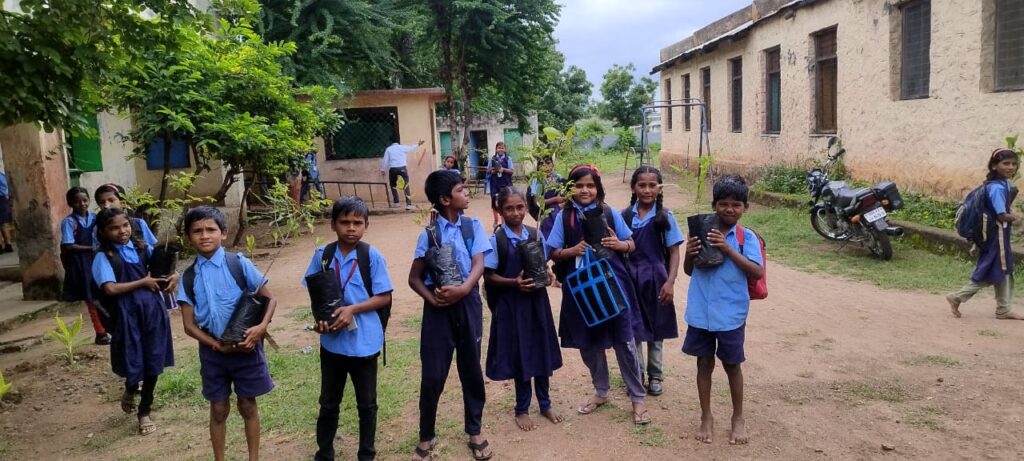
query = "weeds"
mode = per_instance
[
  {"x": 881, "y": 391},
  {"x": 783, "y": 179},
  {"x": 67, "y": 337},
  {"x": 991, "y": 333},
  {"x": 927, "y": 417},
  {"x": 4, "y": 386},
  {"x": 933, "y": 360}
]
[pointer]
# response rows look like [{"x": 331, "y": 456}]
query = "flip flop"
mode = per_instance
[
  {"x": 642, "y": 418},
  {"x": 590, "y": 407},
  {"x": 479, "y": 447},
  {"x": 148, "y": 427},
  {"x": 427, "y": 454}
]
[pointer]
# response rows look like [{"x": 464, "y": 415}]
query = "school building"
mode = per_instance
[
  {"x": 484, "y": 134},
  {"x": 918, "y": 91}
]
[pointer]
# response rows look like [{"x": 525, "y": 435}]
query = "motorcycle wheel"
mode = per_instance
[
  {"x": 819, "y": 221},
  {"x": 878, "y": 243}
]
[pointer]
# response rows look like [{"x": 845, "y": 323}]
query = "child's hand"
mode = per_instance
[
  {"x": 525, "y": 285},
  {"x": 321, "y": 327},
  {"x": 446, "y": 296},
  {"x": 172, "y": 283},
  {"x": 612, "y": 242},
  {"x": 150, "y": 283},
  {"x": 342, "y": 318},
  {"x": 579, "y": 249},
  {"x": 667, "y": 293},
  {"x": 692, "y": 246},
  {"x": 553, "y": 279},
  {"x": 253, "y": 336},
  {"x": 717, "y": 240}
]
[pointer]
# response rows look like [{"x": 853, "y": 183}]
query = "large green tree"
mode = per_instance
[
  {"x": 54, "y": 54},
  {"x": 565, "y": 101},
  {"x": 624, "y": 95}
]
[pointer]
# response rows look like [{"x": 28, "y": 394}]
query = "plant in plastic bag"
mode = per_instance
[
  {"x": 67, "y": 337},
  {"x": 249, "y": 312},
  {"x": 699, "y": 226},
  {"x": 559, "y": 146},
  {"x": 535, "y": 265},
  {"x": 167, "y": 217},
  {"x": 444, "y": 269}
]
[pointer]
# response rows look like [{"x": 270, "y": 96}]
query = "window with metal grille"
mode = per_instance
[
  {"x": 705, "y": 82},
  {"x": 1009, "y": 58},
  {"x": 736, "y": 88},
  {"x": 773, "y": 90},
  {"x": 365, "y": 133},
  {"x": 686, "y": 95},
  {"x": 668, "y": 110},
  {"x": 826, "y": 79},
  {"x": 916, "y": 37}
]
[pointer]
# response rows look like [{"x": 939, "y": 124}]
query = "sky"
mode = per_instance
[{"x": 594, "y": 34}]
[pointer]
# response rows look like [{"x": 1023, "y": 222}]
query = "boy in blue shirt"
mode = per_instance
[
  {"x": 717, "y": 303},
  {"x": 216, "y": 293},
  {"x": 349, "y": 345},
  {"x": 452, "y": 315}
]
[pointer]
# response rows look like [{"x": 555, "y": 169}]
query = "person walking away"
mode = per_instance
[{"x": 396, "y": 166}]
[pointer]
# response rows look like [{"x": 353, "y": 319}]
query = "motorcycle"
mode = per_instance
[{"x": 844, "y": 214}]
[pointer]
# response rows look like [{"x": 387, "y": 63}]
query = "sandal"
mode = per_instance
[
  {"x": 146, "y": 425},
  {"x": 590, "y": 407},
  {"x": 427, "y": 454},
  {"x": 641, "y": 419},
  {"x": 128, "y": 402},
  {"x": 479, "y": 448}
]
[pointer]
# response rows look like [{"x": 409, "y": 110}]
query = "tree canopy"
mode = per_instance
[
  {"x": 624, "y": 95},
  {"x": 566, "y": 99}
]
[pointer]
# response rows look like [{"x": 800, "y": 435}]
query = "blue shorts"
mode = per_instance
[
  {"x": 246, "y": 370},
  {"x": 727, "y": 345}
]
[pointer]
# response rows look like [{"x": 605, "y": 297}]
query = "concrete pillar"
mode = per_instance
[{"x": 37, "y": 169}]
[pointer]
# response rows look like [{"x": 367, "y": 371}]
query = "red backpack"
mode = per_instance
[{"x": 758, "y": 288}]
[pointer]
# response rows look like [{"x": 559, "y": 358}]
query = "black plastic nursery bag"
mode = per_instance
[
  {"x": 249, "y": 312},
  {"x": 699, "y": 226},
  {"x": 324, "y": 294},
  {"x": 531, "y": 256},
  {"x": 444, "y": 269}
]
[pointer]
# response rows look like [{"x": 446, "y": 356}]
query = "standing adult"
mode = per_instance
[
  {"x": 311, "y": 176},
  {"x": 5, "y": 215},
  {"x": 394, "y": 163}
]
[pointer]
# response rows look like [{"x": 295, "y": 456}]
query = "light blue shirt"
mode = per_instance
[
  {"x": 551, "y": 181},
  {"x": 491, "y": 259},
  {"x": 673, "y": 236},
  {"x": 368, "y": 337},
  {"x": 718, "y": 299},
  {"x": 216, "y": 291},
  {"x": 103, "y": 272},
  {"x": 496, "y": 161},
  {"x": 147, "y": 234},
  {"x": 394, "y": 156},
  {"x": 451, "y": 234},
  {"x": 997, "y": 194},
  {"x": 68, "y": 225},
  {"x": 4, "y": 191},
  {"x": 557, "y": 237}
]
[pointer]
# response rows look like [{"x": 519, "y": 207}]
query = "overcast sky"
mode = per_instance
[{"x": 594, "y": 34}]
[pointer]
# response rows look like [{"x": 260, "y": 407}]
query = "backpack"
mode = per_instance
[
  {"x": 661, "y": 225},
  {"x": 107, "y": 304},
  {"x": 758, "y": 289},
  {"x": 501, "y": 239},
  {"x": 234, "y": 266},
  {"x": 363, "y": 261},
  {"x": 973, "y": 216}
]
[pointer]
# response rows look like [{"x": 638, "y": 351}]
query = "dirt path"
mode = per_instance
[{"x": 836, "y": 369}]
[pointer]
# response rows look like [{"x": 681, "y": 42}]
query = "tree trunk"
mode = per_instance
[
  {"x": 167, "y": 169},
  {"x": 242, "y": 209},
  {"x": 230, "y": 178}
]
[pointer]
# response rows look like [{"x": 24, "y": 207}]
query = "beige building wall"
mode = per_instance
[
  {"x": 415, "y": 122},
  {"x": 938, "y": 145}
]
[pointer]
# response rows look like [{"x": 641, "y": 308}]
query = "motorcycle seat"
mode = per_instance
[{"x": 846, "y": 196}]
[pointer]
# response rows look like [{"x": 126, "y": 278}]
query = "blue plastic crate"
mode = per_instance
[{"x": 596, "y": 290}]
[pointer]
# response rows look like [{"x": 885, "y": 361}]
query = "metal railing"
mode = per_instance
[{"x": 342, "y": 188}]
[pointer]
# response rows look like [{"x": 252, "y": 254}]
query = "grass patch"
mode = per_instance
[
  {"x": 823, "y": 345},
  {"x": 413, "y": 322},
  {"x": 292, "y": 406},
  {"x": 880, "y": 391},
  {"x": 934, "y": 361},
  {"x": 991, "y": 333},
  {"x": 649, "y": 435},
  {"x": 302, "y": 314},
  {"x": 791, "y": 240},
  {"x": 927, "y": 417}
]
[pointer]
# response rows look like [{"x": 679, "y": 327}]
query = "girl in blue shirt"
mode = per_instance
[
  {"x": 76, "y": 255},
  {"x": 995, "y": 259}
]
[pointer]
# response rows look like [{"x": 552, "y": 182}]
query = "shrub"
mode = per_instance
[{"x": 783, "y": 179}]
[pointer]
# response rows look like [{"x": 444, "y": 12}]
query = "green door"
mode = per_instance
[
  {"x": 513, "y": 142},
  {"x": 446, "y": 144},
  {"x": 85, "y": 149}
]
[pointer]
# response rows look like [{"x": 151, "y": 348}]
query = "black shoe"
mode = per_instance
[
  {"x": 654, "y": 387},
  {"x": 8, "y": 249},
  {"x": 103, "y": 340}
]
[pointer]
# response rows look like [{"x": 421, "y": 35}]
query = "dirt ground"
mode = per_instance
[{"x": 835, "y": 369}]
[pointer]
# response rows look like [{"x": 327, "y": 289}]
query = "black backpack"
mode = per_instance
[
  {"x": 234, "y": 266},
  {"x": 661, "y": 225},
  {"x": 363, "y": 261},
  {"x": 107, "y": 307}
]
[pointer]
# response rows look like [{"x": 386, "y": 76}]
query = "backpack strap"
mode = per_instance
[
  {"x": 466, "y": 226},
  {"x": 363, "y": 259},
  {"x": 235, "y": 267},
  {"x": 189, "y": 280},
  {"x": 740, "y": 236},
  {"x": 627, "y": 215},
  {"x": 328, "y": 255},
  {"x": 501, "y": 240}
]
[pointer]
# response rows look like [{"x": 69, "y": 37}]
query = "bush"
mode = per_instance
[
  {"x": 627, "y": 139},
  {"x": 930, "y": 211},
  {"x": 783, "y": 179}
]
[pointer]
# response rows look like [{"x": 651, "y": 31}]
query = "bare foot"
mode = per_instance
[
  {"x": 954, "y": 305},
  {"x": 525, "y": 423},
  {"x": 592, "y": 405},
  {"x": 738, "y": 434},
  {"x": 707, "y": 429},
  {"x": 1010, "y": 316},
  {"x": 550, "y": 414}
]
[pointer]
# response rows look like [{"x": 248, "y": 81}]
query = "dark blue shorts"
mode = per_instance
[
  {"x": 247, "y": 371},
  {"x": 727, "y": 345}
]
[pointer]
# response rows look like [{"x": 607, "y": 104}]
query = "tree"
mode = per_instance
[
  {"x": 55, "y": 53},
  {"x": 566, "y": 100},
  {"x": 624, "y": 95}
]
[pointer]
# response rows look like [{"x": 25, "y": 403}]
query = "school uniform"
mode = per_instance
[
  {"x": 522, "y": 344},
  {"x": 995, "y": 258},
  {"x": 457, "y": 328},
  {"x": 351, "y": 352},
  {"x": 717, "y": 303},
  {"x": 649, "y": 272},
  {"x": 548, "y": 222},
  {"x": 139, "y": 229},
  {"x": 496, "y": 182},
  {"x": 216, "y": 294},
  {"x": 78, "y": 282},
  {"x": 617, "y": 333},
  {"x": 140, "y": 346}
]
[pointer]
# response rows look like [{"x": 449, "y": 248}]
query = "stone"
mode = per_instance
[{"x": 888, "y": 447}]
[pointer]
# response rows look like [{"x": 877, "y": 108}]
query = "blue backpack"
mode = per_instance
[{"x": 973, "y": 218}]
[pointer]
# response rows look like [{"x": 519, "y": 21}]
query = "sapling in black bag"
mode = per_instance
[
  {"x": 249, "y": 309},
  {"x": 531, "y": 257},
  {"x": 324, "y": 294},
  {"x": 699, "y": 226},
  {"x": 440, "y": 258}
]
